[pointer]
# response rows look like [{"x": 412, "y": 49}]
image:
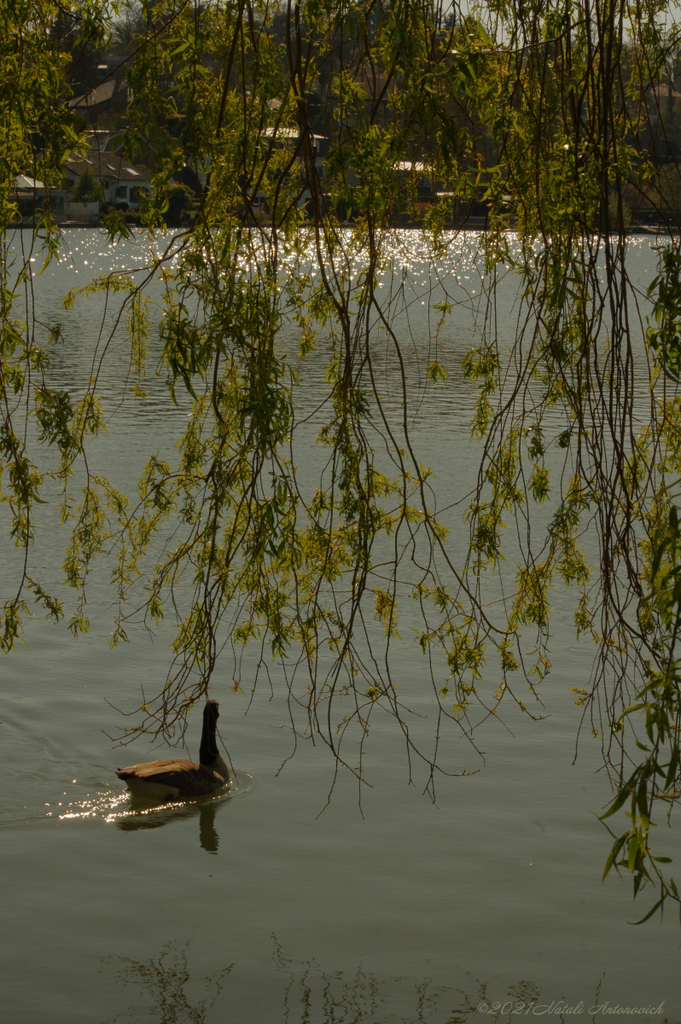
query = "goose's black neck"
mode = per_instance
[{"x": 209, "y": 748}]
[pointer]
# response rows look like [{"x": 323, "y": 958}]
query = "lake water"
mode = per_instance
[{"x": 257, "y": 908}]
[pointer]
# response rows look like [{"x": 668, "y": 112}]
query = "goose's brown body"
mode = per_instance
[{"x": 175, "y": 778}]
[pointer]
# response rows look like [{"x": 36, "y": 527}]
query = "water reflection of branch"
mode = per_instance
[
  {"x": 331, "y": 998},
  {"x": 164, "y": 981},
  {"x": 311, "y": 995},
  {"x": 149, "y": 818}
]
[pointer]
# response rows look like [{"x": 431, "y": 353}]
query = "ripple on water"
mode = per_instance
[{"x": 113, "y": 806}]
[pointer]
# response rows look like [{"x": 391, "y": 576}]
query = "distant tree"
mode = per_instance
[
  {"x": 84, "y": 46},
  {"x": 182, "y": 207},
  {"x": 87, "y": 189},
  {"x": 129, "y": 29}
]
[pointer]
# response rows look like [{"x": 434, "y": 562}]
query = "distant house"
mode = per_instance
[
  {"x": 426, "y": 186},
  {"x": 289, "y": 138},
  {"x": 109, "y": 97},
  {"x": 32, "y": 197},
  {"x": 121, "y": 180}
]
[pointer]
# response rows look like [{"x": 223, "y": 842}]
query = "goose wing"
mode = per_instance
[
  {"x": 188, "y": 778},
  {"x": 154, "y": 769}
]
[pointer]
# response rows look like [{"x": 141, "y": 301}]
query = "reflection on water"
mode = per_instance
[
  {"x": 165, "y": 982},
  {"x": 208, "y": 836},
  {"x": 133, "y": 814},
  {"x": 155, "y": 817},
  {"x": 172, "y": 992},
  {"x": 315, "y": 996},
  {"x": 142, "y": 815}
]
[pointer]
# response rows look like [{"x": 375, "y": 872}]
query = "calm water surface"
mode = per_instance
[{"x": 255, "y": 908}]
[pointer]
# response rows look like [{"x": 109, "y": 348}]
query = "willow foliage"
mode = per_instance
[{"x": 309, "y": 127}]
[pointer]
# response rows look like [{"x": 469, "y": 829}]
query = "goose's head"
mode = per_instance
[
  {"x": 211, "y": 711},
  {"x": 209, "y": 748}
]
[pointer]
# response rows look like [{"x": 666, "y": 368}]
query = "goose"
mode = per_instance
[{"x": 177, "y": 779}]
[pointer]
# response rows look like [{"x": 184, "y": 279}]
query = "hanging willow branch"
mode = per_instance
[{"x": 309, "y": 130}]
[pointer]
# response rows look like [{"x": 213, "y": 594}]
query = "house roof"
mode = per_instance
[
  {"x": 99, "y": 138},
  {"x": 107, "y": 165},
  {"x": 100, "y": 94},
  {"x": 24, "y": 181}
]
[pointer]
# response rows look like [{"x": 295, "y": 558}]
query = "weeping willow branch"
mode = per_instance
[{"x": 313, "y": 132}]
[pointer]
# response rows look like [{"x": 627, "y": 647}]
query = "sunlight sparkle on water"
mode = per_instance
[{"x": 113, "y": 806}]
